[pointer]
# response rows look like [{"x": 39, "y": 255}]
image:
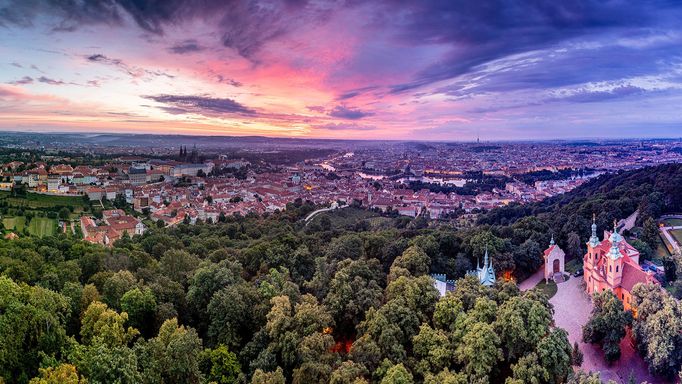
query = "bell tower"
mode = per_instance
[{"x": 614, "y": 259}]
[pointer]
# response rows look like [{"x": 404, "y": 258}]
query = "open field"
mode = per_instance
[
  {"x": 36, "y": 201},
  {"x": 11, "y": 222},
  {"x": 42, "y": 226}
]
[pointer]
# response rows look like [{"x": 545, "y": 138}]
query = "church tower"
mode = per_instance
[{"x": 614, "y": 260}]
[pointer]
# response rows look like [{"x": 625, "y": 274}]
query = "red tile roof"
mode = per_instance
[{"x": 633, "y": 275}]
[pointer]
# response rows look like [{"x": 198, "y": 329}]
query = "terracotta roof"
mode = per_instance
[
  {"x": 550, "y": 249},
  {"x": 633, "y": 275}
]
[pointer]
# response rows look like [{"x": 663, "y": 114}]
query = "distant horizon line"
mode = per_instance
[{"x": 467, "y": 141}]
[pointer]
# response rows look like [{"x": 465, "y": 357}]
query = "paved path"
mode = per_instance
[
  {"x": 533, "y": 279},
  {"x": 312, "y": 215},
  {"x": 572, "y": 307},
  {"x": 673, "y": 242},
  {"x": 629, "y": 222}
]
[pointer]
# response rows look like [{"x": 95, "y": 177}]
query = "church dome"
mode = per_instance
[{"x": 615, "y": 238}]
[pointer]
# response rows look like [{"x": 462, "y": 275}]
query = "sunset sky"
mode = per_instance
[{"x": 426, "y": 70}]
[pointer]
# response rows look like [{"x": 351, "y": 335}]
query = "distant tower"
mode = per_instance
[{"x": 195, "y": 154}]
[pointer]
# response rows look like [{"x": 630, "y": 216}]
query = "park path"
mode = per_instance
[
  {"x": 315, "y": 213},
  {"x": 572, "y": 307},
  {"x": 533, "y": 279},
  {"x": 665, "y": 231},
  {"x": 673, "y": 242},
  {"x": 629, "y": 222}
]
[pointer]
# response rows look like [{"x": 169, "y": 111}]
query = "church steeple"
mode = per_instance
[
  {"x": 594, "y": 240},
  {"x": 551, "y": 242},
  {"x": 615, "y": 240}
]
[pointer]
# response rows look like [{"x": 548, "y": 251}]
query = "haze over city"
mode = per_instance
[{"x": 362, "y": 70}]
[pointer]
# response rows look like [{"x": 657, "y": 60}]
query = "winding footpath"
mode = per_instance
[{"x": 312, "y": 215}]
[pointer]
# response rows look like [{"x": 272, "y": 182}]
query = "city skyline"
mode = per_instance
[{"x": 381, "y": 70}]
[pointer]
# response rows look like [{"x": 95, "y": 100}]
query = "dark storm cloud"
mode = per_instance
[
  {"x": 202, "y": 105},
  {"x": 187, "y": 46},
  {"x": 23, "y": 81},
  {"x": 344, "y": 112},
  {"x": 133, "y": 71}
]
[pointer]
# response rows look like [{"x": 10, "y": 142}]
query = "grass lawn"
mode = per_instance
[
  {"x": 548, "y": 289},
  {"x": 672, "y": 222},
  {"x": 11, "y": 222},
  {"x": 36, "y": 201},
  {"x": 661, "y": 251},
  {"x": 42, "y": 226}
]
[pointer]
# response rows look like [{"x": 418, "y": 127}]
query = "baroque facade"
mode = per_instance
[{"x": 613, "y": 264}]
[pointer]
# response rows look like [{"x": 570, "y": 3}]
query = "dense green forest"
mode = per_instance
[
  {"x": 268, "y": 300},
  {"x": 652, "y": 190}
]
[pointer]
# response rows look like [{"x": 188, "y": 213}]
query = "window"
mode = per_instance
[
  {"x": 616, "y": 268},
  {"x": 610, "y": 268}
]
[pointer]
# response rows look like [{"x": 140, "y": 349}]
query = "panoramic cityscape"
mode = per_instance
[{"x": 390, "y": 192}]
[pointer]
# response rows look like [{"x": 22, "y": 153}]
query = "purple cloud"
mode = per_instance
[
  {"x": 23, "y": 81},
  {"x": 187, "y": 46},
  {"x": 203, "y": 105},
  {"x": 47, "y": 80},
  {"x": 343, "y": 112}
]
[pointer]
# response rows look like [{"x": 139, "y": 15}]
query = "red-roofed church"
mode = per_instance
[{"x": 613, "y": 264}]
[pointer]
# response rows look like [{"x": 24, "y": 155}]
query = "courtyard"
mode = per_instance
[{"x": 572, "y": 307}]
